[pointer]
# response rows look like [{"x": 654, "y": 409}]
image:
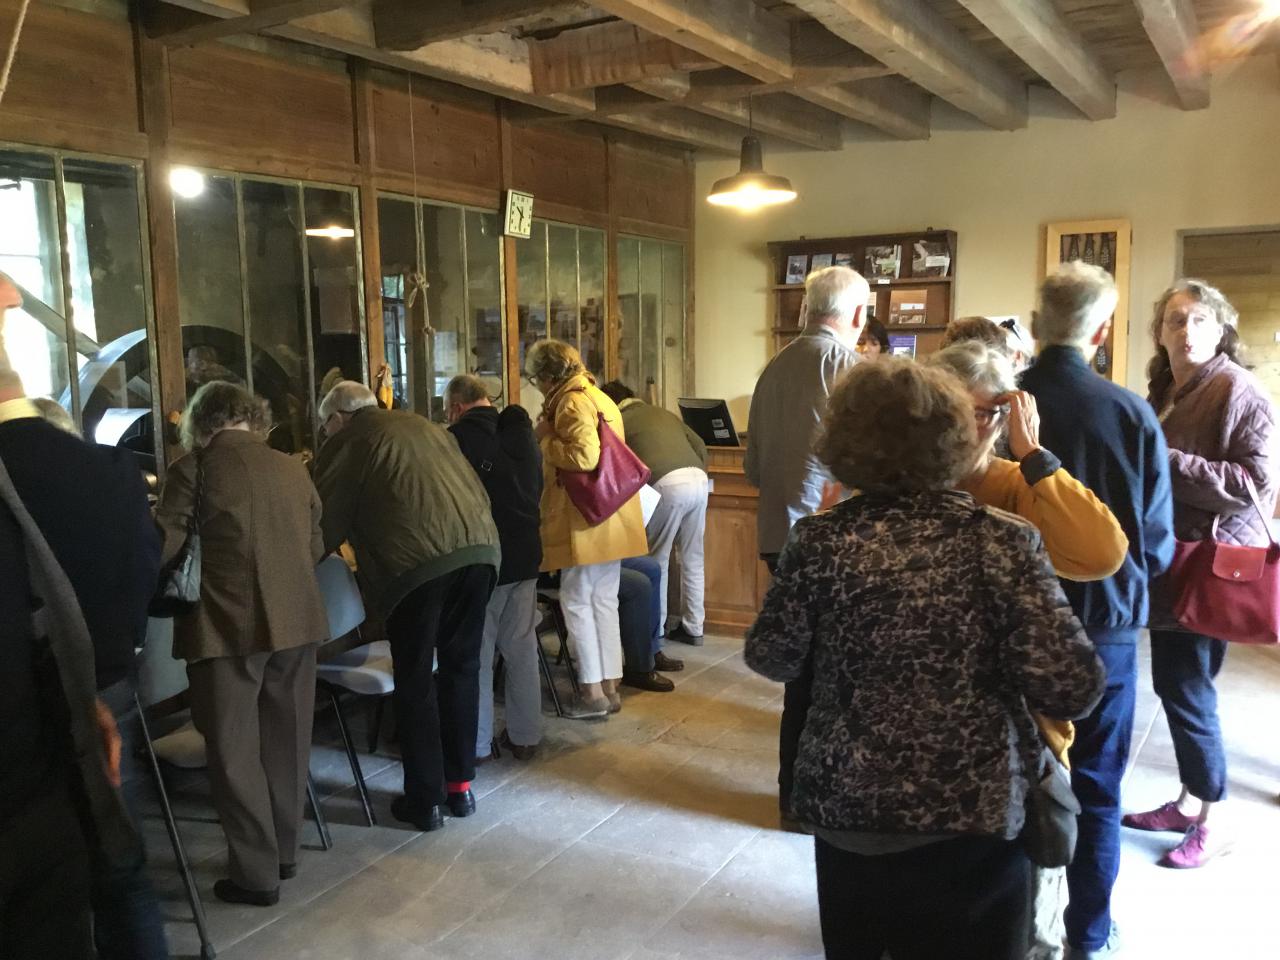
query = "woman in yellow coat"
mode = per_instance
[{"x": 588, "y": 557}]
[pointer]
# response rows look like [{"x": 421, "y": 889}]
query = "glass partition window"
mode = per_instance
[
  {"x": 73, "y": 243},
  {"x": 270, "y": 291},
  {"x": 442, "y": 300},
  {"x": 651, "y": 298}
]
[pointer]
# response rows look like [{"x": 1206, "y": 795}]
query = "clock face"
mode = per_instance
[{"x": 519, "y": 214}]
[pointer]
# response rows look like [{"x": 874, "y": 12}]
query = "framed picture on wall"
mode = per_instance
[
  {"x": 820, "y": 261},
  {"x": 1106, "y": 244},
  {"x": 797, "y": 268}
]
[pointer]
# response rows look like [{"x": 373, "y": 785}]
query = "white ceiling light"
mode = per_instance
[
  {"x": 333, "y": 232},
  {"x": 186, "y": 183}
]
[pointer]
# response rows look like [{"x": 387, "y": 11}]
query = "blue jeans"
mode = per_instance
[
  {"x": 640, "y": 613},
  {"x": 1098, "y": 759},
  {"x": 1183, "y": 667}
]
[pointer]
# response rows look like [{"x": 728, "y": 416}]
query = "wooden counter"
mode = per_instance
[{"x": 736, "y": 578}]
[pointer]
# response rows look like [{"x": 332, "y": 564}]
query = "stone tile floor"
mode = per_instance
[{"x": 652, "y": 836}]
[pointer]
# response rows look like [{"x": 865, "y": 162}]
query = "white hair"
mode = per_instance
[
  {"x": 347, "y": 396},
  {"x": 1074, "y": 302},
  {"x": 834, "y": 293},
  {"x": 978, "y": 365}
]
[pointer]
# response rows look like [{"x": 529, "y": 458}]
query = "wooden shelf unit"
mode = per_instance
[{"x": 937, "y": 293}]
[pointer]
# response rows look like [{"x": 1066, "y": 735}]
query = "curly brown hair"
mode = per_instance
[
  {"x": 981, "y": 329},
  {"x": 220, "y": 404},
  {"x": 1159, "y": 371},
  {"x": 896, "y": 426}
]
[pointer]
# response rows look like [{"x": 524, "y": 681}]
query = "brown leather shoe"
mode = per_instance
[
  {"x": 667, "y": 664},
  {"x": 652, "y": 680},
  {"x": 518, "y": 750}
]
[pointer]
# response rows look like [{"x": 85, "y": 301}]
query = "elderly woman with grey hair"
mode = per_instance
[
  {"x": 933, "y": 624},
  {"x": 1220, "y": 425},
  {"x": 250, "y": 643}
]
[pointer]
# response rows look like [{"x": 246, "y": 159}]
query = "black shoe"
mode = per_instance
[
  {"x": 288, "y": 871},
  {"x": 427, "y": 819},
  {"x": 680, "y": 635},
  {"x": 229, "y": 891},
  {"x": 667, "y": 664},
  {"x": 648, "y": 681},
  {"x": 462, "y": 804},
  {"x": 518, "y": 750}
]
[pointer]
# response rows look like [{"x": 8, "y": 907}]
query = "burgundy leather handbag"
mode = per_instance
[
  {"x": 1227, "y": 591},
  {"x": 600, "y": 493}
]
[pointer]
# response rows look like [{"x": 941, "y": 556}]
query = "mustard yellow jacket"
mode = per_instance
[
  {"x": 574, "y": 444},
  {"x": 1081, "y": 535}
]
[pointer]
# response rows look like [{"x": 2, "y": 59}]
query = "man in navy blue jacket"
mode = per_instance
[{"x": 1110, "y": 440}]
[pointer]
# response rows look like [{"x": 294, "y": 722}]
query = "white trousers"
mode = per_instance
[
  {"x": 589, "y": 598},
  {"x": 680, "y": 522},
  {"x": 510, "y": 625}
]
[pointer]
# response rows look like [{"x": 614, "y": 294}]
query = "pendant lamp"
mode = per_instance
[{"x": 751, "y": 188}]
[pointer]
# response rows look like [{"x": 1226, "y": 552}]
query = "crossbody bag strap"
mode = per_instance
[{"x": 1257, "y": 505}]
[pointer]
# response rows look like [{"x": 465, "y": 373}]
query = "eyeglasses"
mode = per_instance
[
  {"x": 989, "y": 415},
  {"x": 1012, "y": 325}
]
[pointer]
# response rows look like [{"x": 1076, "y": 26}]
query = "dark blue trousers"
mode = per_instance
[
  {"x": 1183, "y": 668},
  {"x": 639, "y": 609},
  {"x": 1098, "y": 759}
]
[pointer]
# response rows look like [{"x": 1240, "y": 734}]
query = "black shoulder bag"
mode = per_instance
[{"x": 179, "y": 590}]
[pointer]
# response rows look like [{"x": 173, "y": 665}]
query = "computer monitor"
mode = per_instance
[{"x": 710, "y": 420}]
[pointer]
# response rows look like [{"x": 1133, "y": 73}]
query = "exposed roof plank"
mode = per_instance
[
  {"x": 409, "y": 24},
  {"x": 1173, "y": 29},
  {"x": 795, "y": 122},
  {"x": 684, "y": 128},
  {"x": 607, "y": 53},
  {"x": 736, "y": 33},
  {"x": 890, "y": 104},
  {"x": 258, "y": 16},
  {"x": 1037, "y": 32},
  {"x": 919, "y": 43}
]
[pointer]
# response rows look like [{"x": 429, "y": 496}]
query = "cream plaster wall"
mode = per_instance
[{"x": 1162, "y": 168}]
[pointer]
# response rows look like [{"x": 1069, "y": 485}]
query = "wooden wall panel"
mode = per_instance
[
  {"x": 652, "y": 186},
  {"x": 73, "y": 70},
  {"x": 458, "y": 154},
  {"x": 565, "y": 171},
  {"x": 271, "y": 111}
]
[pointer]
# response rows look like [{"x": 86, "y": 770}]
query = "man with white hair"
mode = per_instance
[
  {"x": 786, "y": 407},
  {"x": 399, "y": 489},
  {"x": 1110, "y": 440}
]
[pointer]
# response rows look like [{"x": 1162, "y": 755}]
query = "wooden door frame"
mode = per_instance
[{"x": 1123, "y": 229}]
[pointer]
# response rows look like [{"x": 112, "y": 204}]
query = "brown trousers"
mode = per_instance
[{"x": 255, "y": 715}]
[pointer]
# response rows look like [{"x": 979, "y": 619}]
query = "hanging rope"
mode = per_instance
[
  {"x": 416, "y": 281},
  {"x": 12, "y": 52}
]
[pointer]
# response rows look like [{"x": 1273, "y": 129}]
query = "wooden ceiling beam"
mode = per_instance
[
  {"x": 607, "y": 53},
  {"x": 890, "y": 104},
  {"x": 683, "y": 127},
  {"x": 497, "y": 64},
  {"x": 791, "y": 121},
  {"x": 919, "y": 43},
  {"x": 1174, "y": 31},
  {"x": 1049, "y": 45},
  {"x": 735, "y": 33},
  {"x": 410, "y": 24},
  {"x": 259, "y": 15}
]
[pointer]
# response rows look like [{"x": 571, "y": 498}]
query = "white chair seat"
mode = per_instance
[
  {"x": 364, "y": 670},
  {"x": 183, "y": 748}
]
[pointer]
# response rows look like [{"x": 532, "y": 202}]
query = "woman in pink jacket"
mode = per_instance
[{"x": 1220, "y": 425}]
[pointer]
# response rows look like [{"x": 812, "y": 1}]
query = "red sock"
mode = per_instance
[{"x": 460, "y": 787}]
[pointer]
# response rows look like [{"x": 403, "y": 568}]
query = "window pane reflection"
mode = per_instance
[
  {"x": 484, "y": 299},
  {"x": 650, "y": 316},
  {"x": 671, "y": 368},
  {"x": 35, "y": 334},
  {"x": 334, "y": 288},
  {"x": 446, "y": 297},
  {"x": 109, "y": 302},
  {"x": 629, "y": 305},
  {"x": 281, "y": 370},
  {"x": 651, "y": 297},
  {"x": 398, "y": 243},
  {"x": 562, "y": 282},
  {"x": 591, "y": 299},
  {"x": 531, "y": 281},
  {"x": 209, "y": 293}
]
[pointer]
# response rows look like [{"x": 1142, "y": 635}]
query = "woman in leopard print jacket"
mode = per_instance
[{"x": 933, "y": 624}]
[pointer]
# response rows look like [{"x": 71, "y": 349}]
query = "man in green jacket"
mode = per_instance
[
  {"x": 677, "y": 459},
  {"x": 398, "y": 488}
]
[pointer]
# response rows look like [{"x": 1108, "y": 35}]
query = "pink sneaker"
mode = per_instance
[
  {"x": 1166, "y": 817},
  {"x": 1194, "y": 850}
]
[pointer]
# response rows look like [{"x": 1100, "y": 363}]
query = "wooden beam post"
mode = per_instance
[
  {"x": 920, "y": 44},
  {"x": 156, "y": 112},
  {"x": 189, "y": 30},
  {"x": 370, "y": 230},
  {"x": 607, "y": 53},
  {"x": 1174, "y": 31},
  {"x": 1037, "y": 32},
  {"x": 510, "y": 263}
]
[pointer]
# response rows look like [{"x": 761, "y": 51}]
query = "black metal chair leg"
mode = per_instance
[
  {"x": 562, "y": 628},
  {"x": 551, "y": 683},
  {"x": 356, "y": 772},
  {"x": 322, "y": 825},
  {"x": 207, "y": 951},
  {"x": 376, "y": 727}
]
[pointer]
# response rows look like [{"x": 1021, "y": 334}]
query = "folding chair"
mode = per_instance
[
  {"x": 364, "y": 671},
  {"x": 549, "y": 597}
]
